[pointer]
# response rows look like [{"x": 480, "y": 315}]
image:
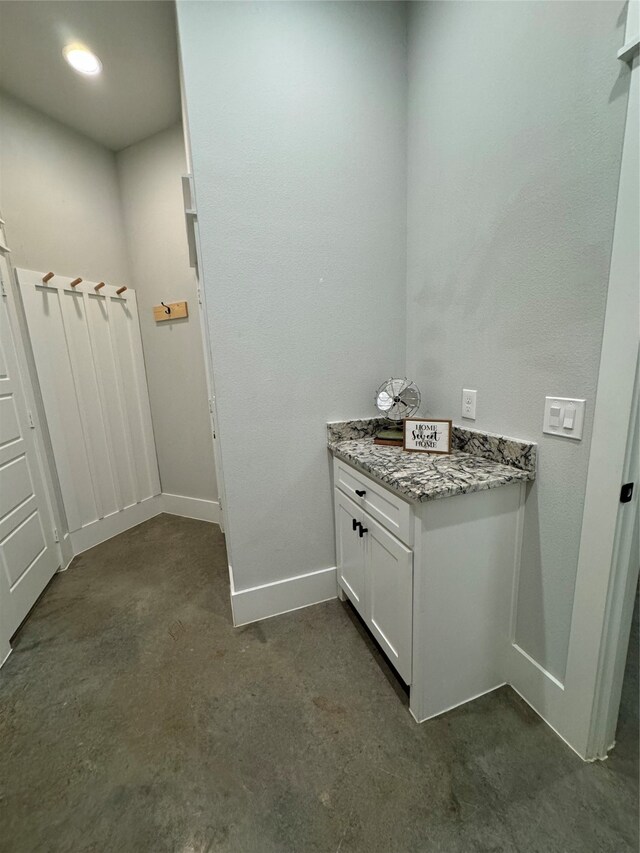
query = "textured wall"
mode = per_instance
[
  {"x": 59, "y": 197},
  {"x": 516, "y": 116},
  {"x": 150, "y": 183},
  {"x": 297, "y": 125},
  {"x": 60, "y": 194}
]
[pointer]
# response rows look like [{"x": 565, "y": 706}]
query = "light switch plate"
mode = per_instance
[
  {"x": 564, "y": 416},
  {"x": 469, "y": 404}
]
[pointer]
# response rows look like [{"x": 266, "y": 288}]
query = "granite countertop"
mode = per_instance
[{"x": 478, "y": 461}]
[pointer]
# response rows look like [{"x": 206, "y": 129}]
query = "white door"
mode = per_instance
[
  {"x": 28, "y": 553},
  {"x": 389, "y": 572},
  {"x": 350, "y": 550}
]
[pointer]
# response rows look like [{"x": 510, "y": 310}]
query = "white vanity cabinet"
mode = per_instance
[
  {"x": 433, "y": 581},
  {"x": 375, "y": 563},
  {"x": 375, "y": 570}
]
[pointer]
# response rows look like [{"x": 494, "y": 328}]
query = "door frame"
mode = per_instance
[
  {"x": 600, "y": 621},
  {"x": 621, "y": 597},
  {"x": 193, "y": 238}
]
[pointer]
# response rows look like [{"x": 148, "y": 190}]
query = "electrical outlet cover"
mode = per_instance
[{"x": 469, "y": 404}]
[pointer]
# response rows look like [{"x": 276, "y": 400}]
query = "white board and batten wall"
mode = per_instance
[{"x": 88, "y": 355}]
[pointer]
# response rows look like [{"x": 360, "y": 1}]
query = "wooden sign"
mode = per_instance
[
  {"x": 170, "y": 311},
  {"x": 427, "y": 436}
]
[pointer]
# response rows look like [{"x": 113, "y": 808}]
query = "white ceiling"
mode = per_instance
[{"x": 137, "y": 93}]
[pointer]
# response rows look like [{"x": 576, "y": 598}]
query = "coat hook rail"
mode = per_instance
[
  {"x": 76, "y": 282},
  {"x": 99, "y": 286},
  {"x": 47, "y": 277},
  {"x": 120, "y": 290}
]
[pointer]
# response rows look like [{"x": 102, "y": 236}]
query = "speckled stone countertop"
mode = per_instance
[{"x": 478, "y": 461}]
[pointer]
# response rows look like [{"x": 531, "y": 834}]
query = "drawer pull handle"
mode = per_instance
[
  {"x": 361, "y": 492},
  {"x": 362, "y": 530}
]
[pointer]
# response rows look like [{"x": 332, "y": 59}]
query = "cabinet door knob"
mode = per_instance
[
  {"x": 361, "y": 492},
  {"x": 362, "y": 530}
]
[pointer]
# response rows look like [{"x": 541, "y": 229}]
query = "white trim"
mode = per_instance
[
  {"x": 198, "y": 508},
  {"x": 620, "y": 600},
  {"x": 545, "y": 720},
  {"x": 632, "y": 33},
  {"x": 116, "y": 523},
  {"x": 5, "y": 651},
  {"x": 570, "y": 708},
  {"x": 629, "y": 50},
  {"x": 272, "y": 599},
  {"x": 517, "y": 563},
  {"x": 533, "y": 662},
  {"x": 458, "y": 704},
  {"x": 596, "y": 574},
  {"x": 105, "y": 528},
  {"x": 66, "y": 552}
]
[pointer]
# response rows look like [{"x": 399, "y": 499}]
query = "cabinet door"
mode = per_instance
[
  {"x": 350, "y": 551},
  {"x": 389, "y": 572}
]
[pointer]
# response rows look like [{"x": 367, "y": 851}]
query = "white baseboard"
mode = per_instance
[
  {"x": 540, "y": 688},
  {"x": 191, "y": 507},
  {"x": 272, "y": 599},
  {"x": 456, "y": 704},
  {"x": 66, "y": 552},
  {"x": 553, "y": 728},
  {"x": 104, "y": 528},
  {"x": 532, "y": 662}
]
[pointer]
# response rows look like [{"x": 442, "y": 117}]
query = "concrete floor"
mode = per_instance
[{"x": 135, "y": 718}]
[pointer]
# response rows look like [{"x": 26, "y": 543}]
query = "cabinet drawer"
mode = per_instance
[{"x": 388, "y": 509}]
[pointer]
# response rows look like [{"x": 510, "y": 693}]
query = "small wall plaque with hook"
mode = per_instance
[{"x": 170, "y": 311}]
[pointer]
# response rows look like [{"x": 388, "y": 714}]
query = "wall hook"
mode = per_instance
[{"x": 165, "y": 312}]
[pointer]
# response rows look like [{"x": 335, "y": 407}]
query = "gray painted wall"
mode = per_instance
[
  {"x": 297, "y": 126},
  {"x": 60, "y": 194},
  {"x": 150, "y": 183},
  {"x": 59, "y": 197},
  {"x": 516, "y": 116}
]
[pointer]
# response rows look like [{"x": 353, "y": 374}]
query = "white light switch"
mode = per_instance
[
  {"x": 563, "y": 416},
  {"x": 469, "y": 404},
  {"x": 555, "y": 413}
]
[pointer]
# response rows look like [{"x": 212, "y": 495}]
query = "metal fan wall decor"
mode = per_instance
[{"x": 396, "y": 399}]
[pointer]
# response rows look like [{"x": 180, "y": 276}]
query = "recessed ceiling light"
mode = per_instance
[{"x": 81, "y": 59}]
